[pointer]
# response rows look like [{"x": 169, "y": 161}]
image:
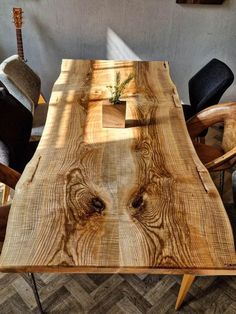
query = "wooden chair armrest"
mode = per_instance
[
  {"x": 210, "y": 116},
  {"x": 9, "y": 176},
  {"x": 221, "y": 160}
]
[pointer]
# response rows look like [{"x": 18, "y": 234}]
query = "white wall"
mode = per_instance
[{"x": 188, "y": 36}]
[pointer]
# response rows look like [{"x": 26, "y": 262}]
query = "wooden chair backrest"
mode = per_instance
[
  {"x": 225, "y": 113},
  {"x": 10, "y": 177}
]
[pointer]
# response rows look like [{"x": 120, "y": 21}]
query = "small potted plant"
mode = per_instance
[{"x": 114, "y": 111}]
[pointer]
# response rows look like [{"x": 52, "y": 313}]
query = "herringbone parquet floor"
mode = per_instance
[{"x": 116, "y": 294}]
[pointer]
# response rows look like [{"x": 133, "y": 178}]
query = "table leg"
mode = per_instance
[
  {"x": 35, "y": 290},
  {"x": 222, "y": 181},
  {"x": 185, "y": 285}
]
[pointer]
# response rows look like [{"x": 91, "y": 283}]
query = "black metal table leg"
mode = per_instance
[
  {"x": 222, "y": 180},
  {"x": 36, "y": 294}
]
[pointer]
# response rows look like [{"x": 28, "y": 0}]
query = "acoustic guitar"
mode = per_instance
[{"x": 18, "y": 21}]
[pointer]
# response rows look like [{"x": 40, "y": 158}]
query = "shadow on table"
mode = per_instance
[{"x": 131, "y": 123}]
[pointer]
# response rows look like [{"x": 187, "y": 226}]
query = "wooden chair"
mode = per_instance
[
  {"x": 10, "y": 177},
  {"x": 224, "y": 157}
]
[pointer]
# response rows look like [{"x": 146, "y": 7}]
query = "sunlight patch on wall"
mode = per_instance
[{"x": 117, "y": 49}]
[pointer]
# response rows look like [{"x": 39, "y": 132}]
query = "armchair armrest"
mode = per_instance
[
  {"x": 221, "y": 160},
  {"x": 210, "y": 116},
  {"x": 9, "y": 176}
]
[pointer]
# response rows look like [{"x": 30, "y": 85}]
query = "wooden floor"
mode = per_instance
[{"x": 116, "y": 294}]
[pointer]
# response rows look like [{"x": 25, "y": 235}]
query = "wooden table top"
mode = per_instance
[{"x": 161, "y": 212}]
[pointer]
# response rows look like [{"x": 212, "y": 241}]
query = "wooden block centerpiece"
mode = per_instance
[
  {"x": 113, "y": 116},
  {"x": 114, "y": 110}
]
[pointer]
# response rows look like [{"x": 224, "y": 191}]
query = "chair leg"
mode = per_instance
[
  {"x": 36, "y": 294},
  {"x": 5, "y": 195},
  {"x": 202, "y": 140},
  {"x": 222, "y": 179},
  {"x": 184, "y": 288}
]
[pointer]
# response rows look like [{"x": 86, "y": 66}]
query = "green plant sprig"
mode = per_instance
[{"x": 119, "y": 87}]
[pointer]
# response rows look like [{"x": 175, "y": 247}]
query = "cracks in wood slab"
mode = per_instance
[{"x": 36, "y": 167}]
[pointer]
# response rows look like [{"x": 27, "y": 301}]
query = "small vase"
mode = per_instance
[{"x": 113, "y": 116}]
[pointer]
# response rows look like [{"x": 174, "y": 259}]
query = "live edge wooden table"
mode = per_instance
[{"x": 113, "y": 200}]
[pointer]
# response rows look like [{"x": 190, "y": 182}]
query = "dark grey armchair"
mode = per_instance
[
  {"x": 207, "y": 86},
  {"x": 15, "y": 131},
  {"x": 21, "y": 118}
]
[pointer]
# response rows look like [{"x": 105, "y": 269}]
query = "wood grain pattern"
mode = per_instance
[{"x": 117, "y": 200}]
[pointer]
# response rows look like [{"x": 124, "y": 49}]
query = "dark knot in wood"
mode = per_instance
[
  {"x": 137, "y": 147},
  {"x": 97, "y": 204},
  {"x": 138, "y": 201}
]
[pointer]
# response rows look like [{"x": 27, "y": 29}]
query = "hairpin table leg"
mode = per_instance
[
  {"x": 222, "y": 179},
  {"x": 36, "y": 294}
]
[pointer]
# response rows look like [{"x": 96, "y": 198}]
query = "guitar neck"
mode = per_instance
[{"x": 20, "y": 49}]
